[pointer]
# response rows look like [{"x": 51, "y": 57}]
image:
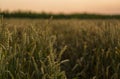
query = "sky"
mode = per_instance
[{"x": 63, "y": 6}]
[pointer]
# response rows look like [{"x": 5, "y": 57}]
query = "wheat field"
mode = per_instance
[{"x": 59, "y": 49}]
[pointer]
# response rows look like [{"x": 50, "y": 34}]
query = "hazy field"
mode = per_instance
[{"x": 59, "y": 49}]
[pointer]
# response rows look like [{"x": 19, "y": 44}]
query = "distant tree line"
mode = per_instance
[{"x": 33, "y": 15}]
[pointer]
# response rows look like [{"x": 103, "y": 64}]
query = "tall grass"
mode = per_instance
[
  {"x": 28, "y": 53},
  {"x": 59, "y": 49}
]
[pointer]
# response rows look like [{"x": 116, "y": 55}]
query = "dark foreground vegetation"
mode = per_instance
[
  {"x": 33, "y": 15},
  {"x": 59, "y": 49}
]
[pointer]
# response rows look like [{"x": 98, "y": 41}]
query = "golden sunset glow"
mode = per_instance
[{"x": 63, "y": 6}]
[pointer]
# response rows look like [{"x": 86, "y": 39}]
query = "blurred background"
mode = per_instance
[{"x": 63, "y": 6}]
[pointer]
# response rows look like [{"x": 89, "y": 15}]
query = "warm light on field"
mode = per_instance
[
  {"x": 55, "y": 39},
  {"x": 64, "y": 6}
]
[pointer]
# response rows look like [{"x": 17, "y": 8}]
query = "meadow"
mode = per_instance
[{"x": 59, "y": 49}]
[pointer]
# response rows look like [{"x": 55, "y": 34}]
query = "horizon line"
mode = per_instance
[{"x": 39, "y": 12}]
